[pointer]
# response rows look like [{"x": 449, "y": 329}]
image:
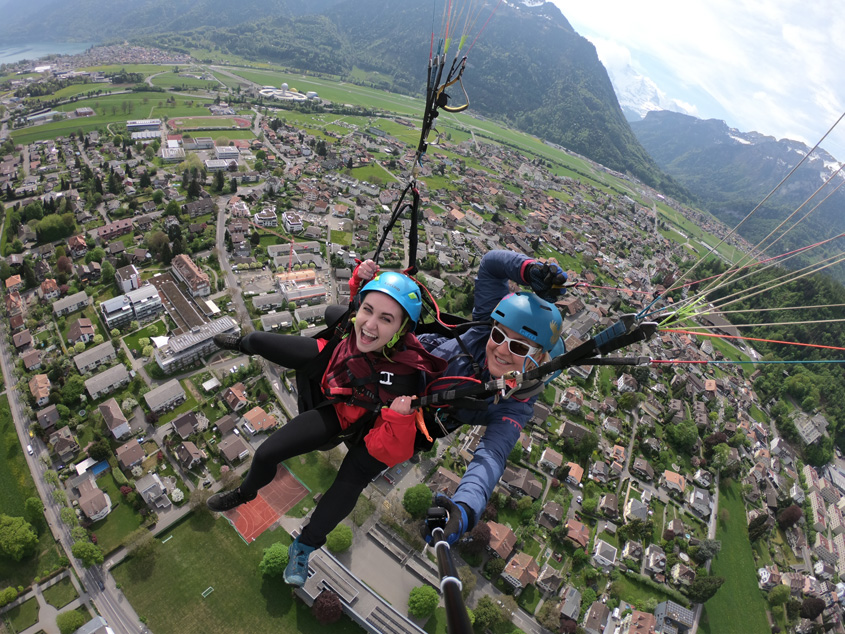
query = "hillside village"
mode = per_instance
[{"x": 126, "y": 251}]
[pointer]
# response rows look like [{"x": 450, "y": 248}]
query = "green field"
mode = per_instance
[
  {"x": 23, "y": 616},
  {"x": 203, "y": 122},
  {"x": 113, "y": 529},
  {"x": 16, "y": 482},
  {"x": 60, "y": 593},
  {"x": 225, "y": 134},
  {"x": 738, "y": 607},
  {"x": 180, "y": 82},
  {"x": 167, "y": 590},
  {"x": 155, "y": 329}
]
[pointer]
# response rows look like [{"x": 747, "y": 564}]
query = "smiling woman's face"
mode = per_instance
[
  {"x": 499, "y": 357},
  {"x": 377, "y": 320}
]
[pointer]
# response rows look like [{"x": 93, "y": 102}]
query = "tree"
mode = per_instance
[
  {"x": 468, "y": 580},
  {"x": 589, "y": 505},
  {"x": 790, "y": 516},
  {"x": 779, "y": 595},
  {"x": 708, "y": 549},
  {"x": 683, "y": 436},
  {"x": 549, "y": 615},
  {"x": 417, "y": 500},
  {"x": 86, "y": 552},
  {"x": 17, "y": 537},
  {"x": 721, "y": 457},
  {"x": 275, "y": 560},
  {"x": 811, "y": 608},
  {"x": 495, "y": 566},
  {"x": 487, "y": 614},
  {"x": 33, "y": 512},
  {"x": 479, "y": 538},
  {"x": 423, "y": 601},
  {"x": 327, "y": 608},
  {"x": 704, "y": 587},
  {"x": 340, "y": 539},
  {"x": 69, "y": 621},
  {"x": 68, "y": 516}
]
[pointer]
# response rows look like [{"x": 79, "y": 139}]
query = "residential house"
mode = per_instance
[
  {"x": 521, "y": 571},
  {"x": 257, "y": 420},
  {"x": 570, "y": 607},
  {"x": 93, "y": 503},
  {"x": 522, "y": 481},
  {"x": 549, "y": 579},
  {"x": 93, "y": 358},
  {"x": 14, "y": 283},
  {"x": 189, "y": 455},
  {"x": 638, "y": 623},
  {"x": 702, "y": 478},
  {"x": 670, "y": 614},
  {"x": 63, "y": 444},
  {"x": 673, "y": 482},
  {"x": 70, "y": 304},
  {"x": 609, "y": 505},
  {"x": 185, "y": 424},
  {"x": 114, "y": 419},
  {"x": 129, "y": 454},
  {"x": 700, "y": 501},
  {"x": 577, "y": 533},
  {"x": 576, "y": 473},
  {"x": 81, "y": 331},
  {"x": 682, "y": 574},
  {"x": 444, "y": 481},
  {"x": 604, "y": 555},
  {"x": 632, "y": 550},
  {"x": 655, "y": 560},
  {"x": 128, "y": 278},
  {"x": 235, "y": 397},
  {"x": 550, "y": 460},
  {"x": 195, "y": 279},
  {"x": 642, "y": 469},
  {"x": 502, "y": 540},
  {"x": 49, "y": 289},
  {"x": 600, "y": 472},
  {"x": 107, "y": 381},
  {"x": 48, "y": 417},
  {"x": 226, "y": 425},
  {"x": 39, "y": 386},
  {"x": 233, "y": 449},
  {"x": 635, "y": 510},
  {"x": 22, "y": 340},
  {"x": 32, "y": 360},
  {"x": 596, "y": 618},
  {"x": 166, "y": 396},
  {"x": 551, "y": 515},
  {"x": 153, "y": 492}
]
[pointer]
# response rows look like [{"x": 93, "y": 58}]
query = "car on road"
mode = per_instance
[
  {"x": 579, "y": 499},
  {"x": 101, "y": 585}
]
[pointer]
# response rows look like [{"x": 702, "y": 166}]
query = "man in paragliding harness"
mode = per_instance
[
  {"x": 522, "y": 331},
  {"x": 375, "y": 368}
]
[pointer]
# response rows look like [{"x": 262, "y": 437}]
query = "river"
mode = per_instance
[{"x": 11, "y": 53}]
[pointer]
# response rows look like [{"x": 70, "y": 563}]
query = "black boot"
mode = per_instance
[
  {"x": 220, "y": 502},
  {"x": 228, "y": 341}
]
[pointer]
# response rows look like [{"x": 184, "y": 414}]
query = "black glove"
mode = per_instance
[
  {"x": 546, "y": 279},
  {"x": 457, "y": 523}
]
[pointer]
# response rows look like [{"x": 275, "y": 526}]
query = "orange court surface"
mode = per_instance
[{"x": 273, "y": 501}]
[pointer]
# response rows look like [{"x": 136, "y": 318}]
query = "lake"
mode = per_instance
[{"x": 11, "y": 53}]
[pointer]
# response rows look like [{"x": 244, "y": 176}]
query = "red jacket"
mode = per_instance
[{"x": 391, "y": 439}]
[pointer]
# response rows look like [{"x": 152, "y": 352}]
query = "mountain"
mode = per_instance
[
  {"x": 638, "y": 95},
  {"x": 529, "y": 68},
  {"x": 731, "y": 171}
]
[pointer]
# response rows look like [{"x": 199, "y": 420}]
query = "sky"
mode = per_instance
[{"x": 771, "y": 66}]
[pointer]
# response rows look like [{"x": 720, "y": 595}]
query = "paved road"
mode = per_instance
[{"x": 111, "y": 603}]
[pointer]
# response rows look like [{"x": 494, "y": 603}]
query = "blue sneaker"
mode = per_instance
[{"x": 296, "y": 573}]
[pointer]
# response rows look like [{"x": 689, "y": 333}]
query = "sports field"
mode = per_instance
[{"x": 205, "y": 552}]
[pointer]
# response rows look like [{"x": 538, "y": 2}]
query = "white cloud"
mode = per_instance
[{"x": 772, "y": 66}]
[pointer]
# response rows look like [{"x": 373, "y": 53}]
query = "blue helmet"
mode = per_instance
[
  {"x": 531, "y": 317},
  {"x": 401, "y": 288}
]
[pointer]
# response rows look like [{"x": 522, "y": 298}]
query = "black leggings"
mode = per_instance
[{"x": 304, "y": 433}]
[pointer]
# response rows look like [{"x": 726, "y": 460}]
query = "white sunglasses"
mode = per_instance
[{"x": 517, "y": 347}]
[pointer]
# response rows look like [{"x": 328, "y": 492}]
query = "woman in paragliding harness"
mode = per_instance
[{"x": 369, "y": 385}]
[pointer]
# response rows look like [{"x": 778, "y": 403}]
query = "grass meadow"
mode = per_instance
[
  {"x": 203, "y": 552},
  {"x": 738, "y": 606}
]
